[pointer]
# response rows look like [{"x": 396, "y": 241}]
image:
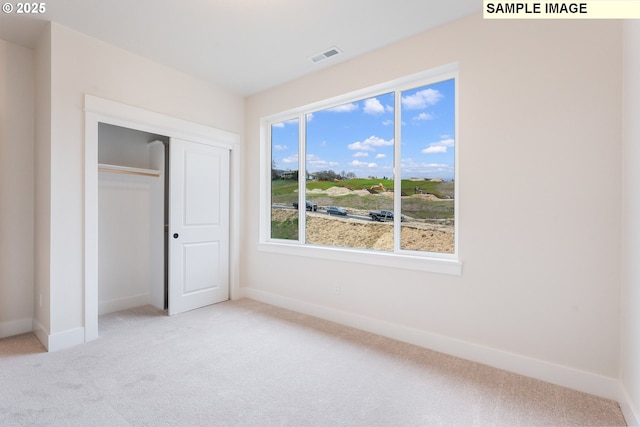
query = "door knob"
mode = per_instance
[{"x": 175, "y": 235}]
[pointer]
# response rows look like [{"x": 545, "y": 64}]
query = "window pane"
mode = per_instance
[
  {"x": 349, "y": 163},
  {"x": 284, "y": 180},
  {"x": 427, "y": 168}
]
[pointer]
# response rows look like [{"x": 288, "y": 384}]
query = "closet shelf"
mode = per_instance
[{"x": 103, "y": 167}]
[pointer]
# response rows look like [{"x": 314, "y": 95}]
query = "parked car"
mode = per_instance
[
  {"x": 334, "y": 210},
  {"x": 310, "y": 206},
  {"x": 383, "y": 216}
]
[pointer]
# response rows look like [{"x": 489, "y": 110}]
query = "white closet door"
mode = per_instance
[{"x": 198, "y": 225}]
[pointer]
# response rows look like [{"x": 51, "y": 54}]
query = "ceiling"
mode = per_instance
[{"x": 244, "y": 45}]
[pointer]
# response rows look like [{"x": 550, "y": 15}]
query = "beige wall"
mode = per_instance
[
  {"x": 83, "y": 65},
  {"x": 630, "y": 349},
  {"x": 17, "y": 104},
  {"x": 540, "y": 201}
]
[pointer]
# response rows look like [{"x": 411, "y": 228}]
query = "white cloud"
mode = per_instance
[
  {"x": 422, "y": 117},
  {"x": 381, "y": 156},
  {"x": 421, "y": 99},
  {"x": 316, "y": 163},
  {"x": 360, "y": 146},
  {"x": 344, "y": 108},
  {"x": 439, "y": 147},
  {"x": 280, "y": 147},
  {"x": 448, "y": 142},
  {"x": 291, "y": 159},
  {"x": 378, "y": 142},
  {"x": 387, "y": 122},
  {"x": 373, "y": 106},
  {"x": 427, "y": 170},
  {"x": 363, "y": 164},
  {"x": 435, "y": 149},
  {"x": 370, "y": 144},
  {"x": 286, "y": 122},
  {"x": 361, "y": 154}
]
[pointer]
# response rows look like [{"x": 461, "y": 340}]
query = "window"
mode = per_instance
[
  {"x": 369, "y": 173},
  {"x": 284, "y": 179}
]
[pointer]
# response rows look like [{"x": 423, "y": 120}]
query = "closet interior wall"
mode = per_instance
[{"x": 131, "y": 218}]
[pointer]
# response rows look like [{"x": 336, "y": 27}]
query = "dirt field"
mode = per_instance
[{"x": 349, "y": 232}]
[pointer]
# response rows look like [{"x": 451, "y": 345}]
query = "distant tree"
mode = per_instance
[{"x": 327, "y": 175}]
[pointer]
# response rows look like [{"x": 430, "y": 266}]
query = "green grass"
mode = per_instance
[
  {"x": 351, "y": 184},
  {"x": 428, "y": 210},
  {"x": 287, "y": 229},
  {"x": 280, "y": 186}
]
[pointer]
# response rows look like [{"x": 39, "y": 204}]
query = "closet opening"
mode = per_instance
[
  {"x": 133, "y": 217},
  {"x": 199, "y": 201}
]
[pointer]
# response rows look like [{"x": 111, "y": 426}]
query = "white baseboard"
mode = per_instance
[
  {"x": 575, "y": 379},
  {"x": 66, "y": 339},
  {"x": 16, "y": 327},
  {"x": 112, "y": 306},
  {"x": 58, "y": 341},
  {"x": 630, "y": 412},
  {"x": 41, "y": 333}
]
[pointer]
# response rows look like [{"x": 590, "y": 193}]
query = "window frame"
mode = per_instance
[{"x": 445, "y": 263}]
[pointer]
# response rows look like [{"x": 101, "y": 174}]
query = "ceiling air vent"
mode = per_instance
[{"x": 326, "y": 54}]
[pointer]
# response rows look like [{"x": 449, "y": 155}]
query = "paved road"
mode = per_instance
[{"x": 323, "y": 212}]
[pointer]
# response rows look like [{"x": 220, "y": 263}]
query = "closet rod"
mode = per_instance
[{"x": 127, "y": 170}]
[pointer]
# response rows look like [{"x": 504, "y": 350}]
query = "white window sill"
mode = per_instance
[{"x": 385, "y": 259}]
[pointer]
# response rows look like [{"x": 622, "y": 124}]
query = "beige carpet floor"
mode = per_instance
[{"x": 244, "y": 363}]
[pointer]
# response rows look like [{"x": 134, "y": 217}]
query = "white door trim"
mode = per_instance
[{"x": 99, "y": 110}]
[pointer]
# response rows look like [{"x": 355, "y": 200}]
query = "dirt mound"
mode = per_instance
[
  {"x": 281, "y": 215},
  {"x": 353, "y": 233},
  {"x": 338, "y": 191},
  {"x": 426, "y": 197},
  {"x": 374, "y": 235}
]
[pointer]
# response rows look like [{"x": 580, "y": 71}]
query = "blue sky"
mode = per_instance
[{"x": 358, "y": 137}]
